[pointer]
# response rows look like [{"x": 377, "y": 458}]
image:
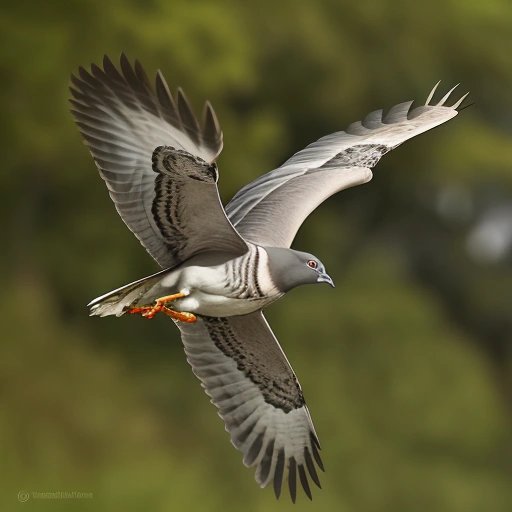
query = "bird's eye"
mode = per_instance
[{"x": 312, "y": 264}]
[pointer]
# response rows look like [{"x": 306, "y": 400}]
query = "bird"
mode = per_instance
[{"x": 221, "y": 266}]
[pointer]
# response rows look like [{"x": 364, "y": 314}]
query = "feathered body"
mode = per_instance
[
  {"x": 158, "y": 162},
  {"x": 218, "y": 285}
]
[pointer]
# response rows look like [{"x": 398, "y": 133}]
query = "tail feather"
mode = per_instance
[{"x": 118, "y": 301}]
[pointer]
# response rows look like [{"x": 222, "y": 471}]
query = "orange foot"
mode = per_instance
[{"x": 160, "y": 306}]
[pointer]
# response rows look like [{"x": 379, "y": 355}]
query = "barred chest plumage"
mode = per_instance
[
  {"x": 235, "y": 287},
  {"x": 248, "y": 277}
]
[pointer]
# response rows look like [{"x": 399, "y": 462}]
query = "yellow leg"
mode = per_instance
[
  {"x": 160, "y": 305},
  {"x": 182, "y": 316}
]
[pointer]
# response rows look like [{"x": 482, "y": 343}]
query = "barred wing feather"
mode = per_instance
[
  {"x": 123, "y": 119},
  {"x": 243, "y": 369}
]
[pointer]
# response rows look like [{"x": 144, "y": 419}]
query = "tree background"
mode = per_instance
[{"x": 408, "y": 374}]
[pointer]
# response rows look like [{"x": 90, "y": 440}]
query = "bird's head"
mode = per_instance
[{"x": 289, "y": 268}]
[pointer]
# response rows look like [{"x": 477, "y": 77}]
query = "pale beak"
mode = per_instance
[{"x": 325, "y": 278}]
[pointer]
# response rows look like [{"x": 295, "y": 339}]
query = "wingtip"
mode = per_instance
[
  {"x": 304, "y": 481},
  {"x": 442, "y": 101},
  {"x": 96, "y": 70},
  {"x": 212, "y": 133},
  {"x": 83, "y": 73},
  {"x": 73, "y": 81},
  {"x": 181, "y": 96},
  {"x": 110, "y": 68},
  {"x": 107, "y": 62},
  {"x": 458, "y": 103},
  {"x": 182, "y": 100},
  {"x": 292, "y": 478},
  {"x": 209, "y": 115},
  {"x": 123, "y": 58},
  {"x": 187, "y": 116},
  {"x": 126, "y": 67},
  {"x": 431, "y": 94}
]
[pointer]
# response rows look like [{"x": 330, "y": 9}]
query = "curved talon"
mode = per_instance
[{"x": 160, "y": 306}]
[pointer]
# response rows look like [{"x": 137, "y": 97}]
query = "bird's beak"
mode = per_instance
[{"x": 325, "y": 278}]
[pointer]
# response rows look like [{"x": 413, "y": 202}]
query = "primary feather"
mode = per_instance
[{"x": 123, "y": 119}]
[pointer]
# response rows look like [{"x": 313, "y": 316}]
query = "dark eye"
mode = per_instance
[{"x": 312, "y": 264}]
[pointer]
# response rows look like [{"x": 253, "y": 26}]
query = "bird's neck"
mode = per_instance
[{"x": 282, "y": 267}]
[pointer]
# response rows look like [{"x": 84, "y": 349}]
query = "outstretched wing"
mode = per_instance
[
  {"x": 246, "y": 374},
  {"x": 123, "y": 119},
  {"x": 270, "y": 210}
]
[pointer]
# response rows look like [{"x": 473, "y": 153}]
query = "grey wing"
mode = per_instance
[
  {"x": 243, "y": 369},
  {"x": 123, "y": 119},
  {"x": 270, "y": 210}
]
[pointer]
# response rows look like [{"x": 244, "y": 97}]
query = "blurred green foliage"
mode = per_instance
[{"x": 406, "y": 365}]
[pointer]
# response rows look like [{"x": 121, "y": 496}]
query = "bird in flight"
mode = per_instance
[{"x": 223, "y": 265}]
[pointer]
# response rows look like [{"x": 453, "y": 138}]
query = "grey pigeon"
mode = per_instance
[{"x": 223, "y": 266}]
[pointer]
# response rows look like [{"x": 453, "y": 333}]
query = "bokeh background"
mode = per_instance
[{"x": 408, "y": 372}]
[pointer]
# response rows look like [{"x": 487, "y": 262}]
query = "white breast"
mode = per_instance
[
  {"x": 217, "y": 305},
  {"x": 215, "y": 292}
]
